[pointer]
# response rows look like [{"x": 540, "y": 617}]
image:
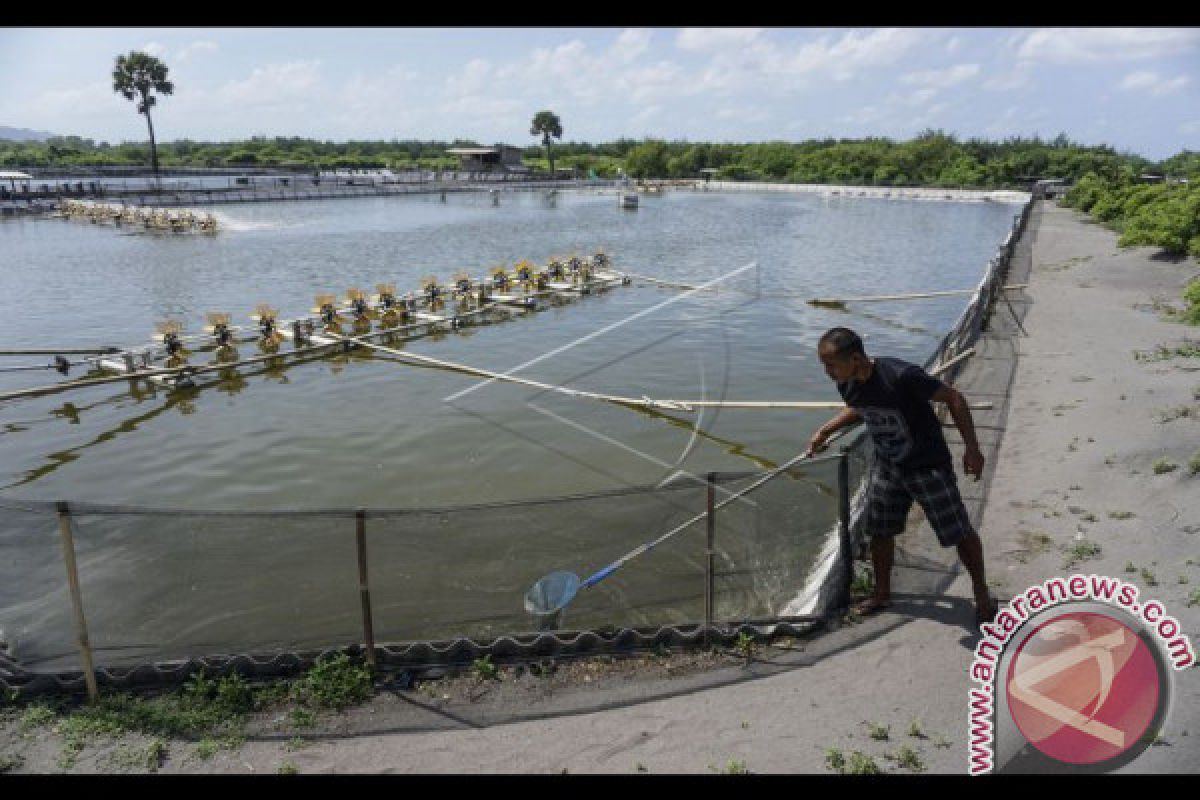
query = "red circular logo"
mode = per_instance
[{"x": 1083, "y": 688}]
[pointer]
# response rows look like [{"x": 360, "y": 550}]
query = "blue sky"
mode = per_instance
[{"x": 1136, "y": 89}]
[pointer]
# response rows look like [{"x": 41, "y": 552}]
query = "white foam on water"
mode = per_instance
[{"x": 235, "y": 225}]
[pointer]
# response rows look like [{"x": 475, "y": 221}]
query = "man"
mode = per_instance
[{"x": 912, "y": 460}]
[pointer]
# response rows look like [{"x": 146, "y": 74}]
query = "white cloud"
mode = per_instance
[
  {"x": 196, "y": 48},
  {"x": 1190, "y": 127},
  {"x": 863, "y": 116},
  {"x": 654, "y": 82},
  {"x": 630, "y": 44},
  {"x": 274, "y": 85},
  {"x": 155, "y": 49},
  {"x": 941, "y": 78},
  {"x": 715, "y": 38},
  {"x": 1018, "y": 78},
  {"x": 1148, "y": 81},
  {"x": 645, "y": 114},
  {"x": 746, "y": 114},
  {"x": 954, "y": 45},
  {"x": 473, "y": 80},
  {"x": 1086, "y": 45},
  {"x": 760, "y": 64}
]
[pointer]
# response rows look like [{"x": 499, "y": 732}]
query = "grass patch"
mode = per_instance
[
  {"x": 1188, "y": 349},
  {"x": 861, "y": 764},
  {"x": 941, "y": 741},
  {"x": 1033, "y": 543},
  {"x": 1121, "y": 515},
  {"x": 302, "y": 718},
  {"x": 914, "y": 730},
  {"x": 834, "y": 760},
  {"x": 1179, "y": 412},
  {"x": 209, "y": 746},
  {"x": 36, "y": 717},
  {"x": 907, "y": 758},
  {"x": 1194, "y": 599},
  {"x": 735, "y": 768},
  {"x": 287, "y": 768},
  {"x": 8, "y": 762},
  {"x": 334, "y": 682},
  {"x": 484, "y": 669},
  {"x": 1163, "y": 466},
  {"x": 1082, "y": 550},
  {"x": 1148, "y": 577},
  {"x": 144, "y": 759},
  {"x": 745, "y": 646},
  {"x": 1194, "y": 464},
  {"x": 1130, "y": 567},
  {"x": 878, "y": 732}
]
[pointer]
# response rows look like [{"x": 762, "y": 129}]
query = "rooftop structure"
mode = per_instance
[{"x": 502, "y": 157}]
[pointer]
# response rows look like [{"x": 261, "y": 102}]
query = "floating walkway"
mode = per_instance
[{"x": 893, "y": 192}]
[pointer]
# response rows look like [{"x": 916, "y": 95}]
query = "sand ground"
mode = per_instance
[{"x": 1080, "y": 422}]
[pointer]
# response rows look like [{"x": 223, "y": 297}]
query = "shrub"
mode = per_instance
[{"x": 334, "y": 682}]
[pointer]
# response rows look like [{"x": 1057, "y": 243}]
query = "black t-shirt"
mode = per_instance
[{"x": 894, "y": 402}]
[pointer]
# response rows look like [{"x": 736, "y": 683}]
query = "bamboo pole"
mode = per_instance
[
  {"x": 85, "y": 648},
  {"x": 965, "y": 354},
  {"x": 364, "y": 590},
  {"x": 841, "y": 301},
  {"x": 79, "y": 352}
]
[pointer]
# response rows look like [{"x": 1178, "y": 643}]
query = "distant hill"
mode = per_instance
[{"x": 24, "y": 134}]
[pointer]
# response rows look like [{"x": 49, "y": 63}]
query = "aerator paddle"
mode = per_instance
[{"x": 551, "y": 594}]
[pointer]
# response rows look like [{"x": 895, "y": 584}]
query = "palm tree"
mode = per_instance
[
  {"x": 548, "y": 125},
  {"x": 138, "y": 76}
]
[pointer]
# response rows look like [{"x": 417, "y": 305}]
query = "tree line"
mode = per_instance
[{"x": 933, "y": 158}]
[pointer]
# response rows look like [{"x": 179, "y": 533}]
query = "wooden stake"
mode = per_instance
[
  {"x": 836, "y": 302},
  {"x": 85, "y": 648}
]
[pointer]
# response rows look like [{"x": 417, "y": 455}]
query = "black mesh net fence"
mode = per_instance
[{"x": 174, "y": 585}]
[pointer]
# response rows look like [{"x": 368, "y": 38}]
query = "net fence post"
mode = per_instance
[
  {"x": 85, "y": 647},
  {"x": 847, "y": 551},
  {"x": 364, "y": 590},
  {"x": 709, "y": 555}
]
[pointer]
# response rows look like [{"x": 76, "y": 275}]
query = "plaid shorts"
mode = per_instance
[{"x": 891, "y": 492}]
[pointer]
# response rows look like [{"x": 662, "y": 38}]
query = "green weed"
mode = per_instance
[
  {"x": 861, "y": 764},
  {"x": 1163, "y": 466},
  {"x": 746, "y": 646},
  {"x": 334, "y": 682},
  {"x": 907, "y": 758},
  {"x": 485, "y": 669},
  {"x": 1082, "y": 550}
]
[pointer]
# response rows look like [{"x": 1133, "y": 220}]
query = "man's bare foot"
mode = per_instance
[{"x": 872, "y": 605}]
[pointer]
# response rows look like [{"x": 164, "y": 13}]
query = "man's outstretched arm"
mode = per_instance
[
  {"x": 961, "y": 413},
  {"x": 844, "y": 419}
]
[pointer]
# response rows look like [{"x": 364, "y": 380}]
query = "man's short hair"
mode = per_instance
[{"x": 844, "y": 342}]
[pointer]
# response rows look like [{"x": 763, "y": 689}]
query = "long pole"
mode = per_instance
[
  {"x": 364, "y": 589},
  {"x": 85, "y": 648},
  {"x": 709, "y": 555},
  {"x": 847, "y": 553}
]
